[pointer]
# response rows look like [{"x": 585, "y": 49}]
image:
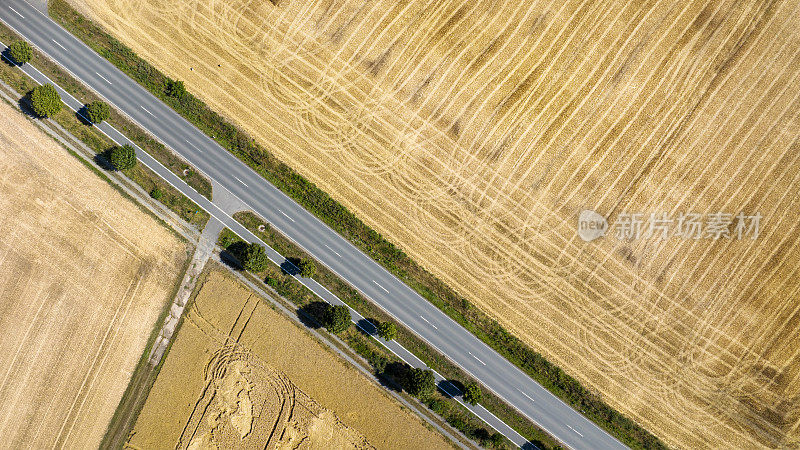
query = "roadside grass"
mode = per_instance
[
  {"x": 98, "y": 142},
  {"x": 352, "y": 228}
]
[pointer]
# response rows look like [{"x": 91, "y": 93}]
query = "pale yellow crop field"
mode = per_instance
[
  {"x": 472, "y": 133},
  {"x": 241, "y": 375},
  {"x": 84, "y": 275}
]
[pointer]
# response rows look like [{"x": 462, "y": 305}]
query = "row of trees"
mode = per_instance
[
  {"x": 44, "y": 99},
  {"x": 336, "y": 318}
]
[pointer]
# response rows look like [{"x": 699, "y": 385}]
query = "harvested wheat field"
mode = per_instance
[
  {"x": 472, "y": 133},
  {"x": 84, "y": 275},
  {"x": 241, "y": 375}
]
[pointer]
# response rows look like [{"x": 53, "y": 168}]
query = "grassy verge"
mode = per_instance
[
  {"x": 97, "y": 141},
  {"x": 348, "y": 225}
]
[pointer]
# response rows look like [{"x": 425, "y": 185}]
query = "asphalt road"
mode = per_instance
[{"x": 372, "y": 280}]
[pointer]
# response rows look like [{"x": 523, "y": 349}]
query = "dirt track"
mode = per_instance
[
  {"x": 84, "y": 274},
  {"x": 473, "y": 133}
]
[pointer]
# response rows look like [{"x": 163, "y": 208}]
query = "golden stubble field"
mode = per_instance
[
  {"x": 472, "y": 133},
  {"x": 84, "y": 275},
  {"x": 241, "y": 375}
]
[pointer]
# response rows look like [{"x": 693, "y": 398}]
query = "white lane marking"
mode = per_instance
[
  {"x": 240, "y": 181},
  {"x": 287, "y": 216},
  {"x": 104, "y": 78},
  {"x": 16, "y": 12},
  {"x": 195, "y": 147},
  {"x": 376, "y": 284},
  {"x": 526, "y": 395},
  {"x": 576, "y": 431},
  {"x": 470, "y": 354},
  {"x": 334, "y": 251},
  {"x": 426, "y": 320},
  {"x": 148, "y": 112},
  {"x": 56, "y": 42}
]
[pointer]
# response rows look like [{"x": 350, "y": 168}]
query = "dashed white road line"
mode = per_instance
[
  {"x": 145, "y": 110},
  {"x": 334, "y": 251},
  {"x": 470, "y": 354},
  {"x": 16, "y": 12},
  {"x": 194, "y": 146},
  {"x": 376, "y": 284},
  {"x": 576, "y": 431},
  {"x": 240, "y": 181},
  {"x": 104, "y": 78},
  {"x": 287, "y": 216},
  {"x": 526, "y": 395},
  {"x": 426, "y": 320},
  {"x": 58, "y": 44}
]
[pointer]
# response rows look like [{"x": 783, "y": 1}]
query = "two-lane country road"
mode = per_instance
[{"x": 397, "y": 299}]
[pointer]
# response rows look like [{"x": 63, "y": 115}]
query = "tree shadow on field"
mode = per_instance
[
  {"x": 233, "y": 255},
  {"x": 313, "y": 314}
]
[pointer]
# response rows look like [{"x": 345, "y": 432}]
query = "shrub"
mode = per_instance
[
  {"x": 156, "y": 193},
  {"x": 420, "y": 382},
  {"x": 45, "y": 100},
  {"x": 337, "y": 319},
  {"x": 97, "y": 111},
  {"x": 20, "y": 51},
  {"x": 387, "y": 330},
  {"x": 307, "y": 268},
  {"x": 123, "y": 157},
  {"x": 473, "y": 394},
  {"x": 255, "y": 258},
  {"x": 175, "y": 88}
]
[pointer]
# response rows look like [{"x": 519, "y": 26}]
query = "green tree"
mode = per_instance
[
  {"x": 176, "y": 89},
  {"x": 387, "y": 330},
  {"x": 45, "y": 100},
  {"x": 123, "y": 157},
  {"x": 255, "y": 258},
  {"x": 307, "y": 268},
  {"x": 97, "y": 112},
  {"x": 421, "y": 382},
  {"x": 156, "y": 193},
  {"x": 337, "y": 319},
  {"x": 473, "y": 394},
  {"x": 20, "y": 51}
]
